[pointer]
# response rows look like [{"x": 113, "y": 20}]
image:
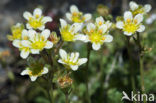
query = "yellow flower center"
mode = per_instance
[
  {"x": 96, "y": 38},
  {"x": 100, "y": 23},
  {"x": 17, "y": 33},
  {"x": 26, "y": 49},
  {"x": 131, "y": 27},
  {"x": 35, "y": 74},
  {"x": 77, "y": 17},
  {"x": 38, "y": 45},
  {"x": 35, "y": 22},
  {"x": 70, "y": 61},
  {"x": 66, "y": 35}
]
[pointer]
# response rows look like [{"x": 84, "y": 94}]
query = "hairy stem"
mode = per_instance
[
  {"x": 87, "y": 67},
  {"x": 67, "y": 99},
  {"x": 131, "y": 63},
  {"x": 141, "y": 65}
]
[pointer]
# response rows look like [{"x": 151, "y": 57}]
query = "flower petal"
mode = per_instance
[
  {"x": 45, "y": 70},
  {"x": 26, "y": 43},
  {"x": 119, "y": 24},
  {"x": 72, "y": 55},
  {"x": 90, "y": 27},
  {"x": 24, "y": 54},
  {"x": 60, "y": 61},
  {"x": 33, "y": 78},
  {"x": 24, "y": 33},
  {"x": 99, "y": 20},
  {"x": 96, "y": 46},
  {"x": 147, "y": 8},
  {"x": 141, "y": 28},
  {"x": 109, "y": 24},
  {"x": 138, "y": 18},
  {"x": 63, "y": 23},
  {"x": 75, "y": 27},
  {"x": 87, "y": 39},
  {"x": 48, "y": 45},
  {"x": 46, "y": 19},
  {"x": 27, "y": 15},
  {"x": 108, "y": 38},
  {"x": 35, "y": 51},
  {"x": 81, "y": 37},
  {"x": 25, "y": 72},
  {"x": 73, "y": 9},
  {"x": 74, "y": 67},
  {"x": 42, "y": 27},
  {"x": 63, "y": 54},
  {"x": 87, "y": 17},
  {"x": 76, "y": 57},
  {"x": 17, "y": 43},
  {"x": 103, "y": 28},
  {"x": 128, "y": 34},
  {"x": 38, "y": 12},
  {"x": 82, "y": 61},
  {"x": 45, "y": 34},
  {"x": 69, "y": 16},
  {"x": 128, "y": 15},
  {"x": 133, "y": 5},
  {"x": 31, "y": 34},
  {"x": 28, "y": 26}
]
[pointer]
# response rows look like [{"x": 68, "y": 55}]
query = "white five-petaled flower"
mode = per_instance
[
  {"x": 71, "y": 61},
  {"x": 100, "y": 21},
  {"x": 98, "y": 33},
  {"x": 33, "y": 76},
  {"x": 131, "y": 24},
  {"x": 37, "y": 20},
  {"x": 38, "y": 41},
  {"x": 139, "y": 9},
  {"x": 76, "y": 16},
  {"x": 33, "y": 42},
  {"x": 25, "y": 49},
  {"x": 70, "y": 32}
]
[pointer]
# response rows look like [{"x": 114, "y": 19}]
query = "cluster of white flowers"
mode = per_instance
[
  {"x": 35, "y": 37},
  {"x": 132, "y": 21},
  {"x": 32, "y": 39},
  {"x": 29, "y": 40},
  {"x": 97, "y": 33}
]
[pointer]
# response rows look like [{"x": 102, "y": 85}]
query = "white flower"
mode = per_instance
[
  {"x": 100, "y": 21},
  {"x": 38, "y": 41},
  {"x": 37, "y": 20},
  {"x": 131, "y": 24},
  {"x": 70, "y": 32},
  {"x": 16, "y": 31},
  {"x": 25, "y": 49},
  {"x": 72, "y": 60},
  {"x": 98, "y": 33},
  {"x": 139, "y": 9},
  {"x": 76, "y": 16},
  {"x": 33, "y": 76}
]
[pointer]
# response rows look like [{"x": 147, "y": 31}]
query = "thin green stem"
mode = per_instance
[
  {"x": 67, "y": 99},
  {"x": 51, "y": 94},
  {"x": 87, "y": 67},
  {"x": 131, "y": 63},
  {"x": 141, "y": 65}
]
